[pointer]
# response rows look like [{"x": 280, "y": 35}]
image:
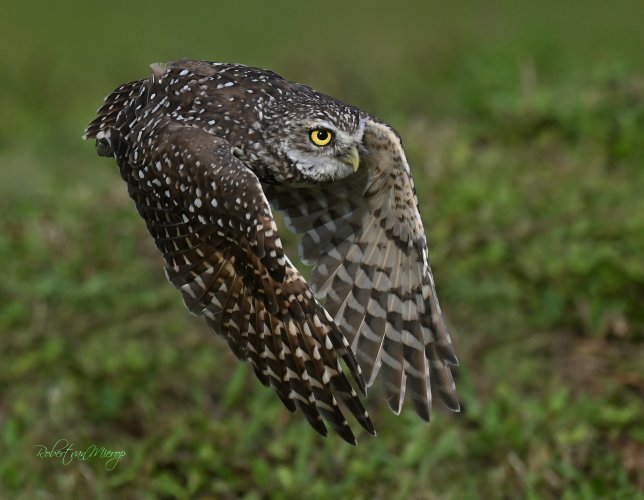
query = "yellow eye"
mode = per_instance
[{"x": 321, "y": 137}]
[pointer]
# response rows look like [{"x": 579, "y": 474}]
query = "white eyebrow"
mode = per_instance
[{"x": 323, "y": 124}]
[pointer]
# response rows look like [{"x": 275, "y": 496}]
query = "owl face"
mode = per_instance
[{"x": 323, "y": 150}]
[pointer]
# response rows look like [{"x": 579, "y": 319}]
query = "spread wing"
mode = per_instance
[
  {"x": 211, "y": 220},
  {"x": 365, "y": 236}
]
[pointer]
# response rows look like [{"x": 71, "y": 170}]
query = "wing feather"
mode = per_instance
[
  {"x": 366, "y": 239},
  {"x": 227, "y": 260}
]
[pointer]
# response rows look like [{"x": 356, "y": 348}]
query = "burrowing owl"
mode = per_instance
[{"x": 205, "y": 150}]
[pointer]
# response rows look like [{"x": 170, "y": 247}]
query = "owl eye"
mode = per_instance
[{"x": 321, "y": 137}]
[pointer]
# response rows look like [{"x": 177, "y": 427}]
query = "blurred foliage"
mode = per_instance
[{"x": 524, "y": 126}]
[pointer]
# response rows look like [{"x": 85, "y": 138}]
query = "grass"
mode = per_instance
[{"x": 524, "y": 131}]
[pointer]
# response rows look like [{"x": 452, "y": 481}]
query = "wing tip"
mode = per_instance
[{"x": 452, "y": 404}]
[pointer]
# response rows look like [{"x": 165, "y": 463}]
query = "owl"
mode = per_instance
[{"x": 208, "y": 151}]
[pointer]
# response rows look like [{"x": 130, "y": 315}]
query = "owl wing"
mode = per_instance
[
  {"x": 365, "y": 236},
  {"x": 209, "y": 217}
]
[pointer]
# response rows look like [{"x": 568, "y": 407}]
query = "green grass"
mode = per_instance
[{"x": 525, "y": 130}]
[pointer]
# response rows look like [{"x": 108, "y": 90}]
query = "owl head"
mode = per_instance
[{"x": 320, "y": 138}]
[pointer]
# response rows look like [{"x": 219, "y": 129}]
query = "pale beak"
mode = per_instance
[{"x": 352, "y": 158}]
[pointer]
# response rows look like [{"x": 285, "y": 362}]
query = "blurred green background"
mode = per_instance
[{"x": 524, "y": 125}]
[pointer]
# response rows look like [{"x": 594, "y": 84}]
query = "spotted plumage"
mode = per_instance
[{"x": 205, "y": 150}]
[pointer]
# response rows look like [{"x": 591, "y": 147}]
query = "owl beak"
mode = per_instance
[{"x": 352, "y": 158}]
